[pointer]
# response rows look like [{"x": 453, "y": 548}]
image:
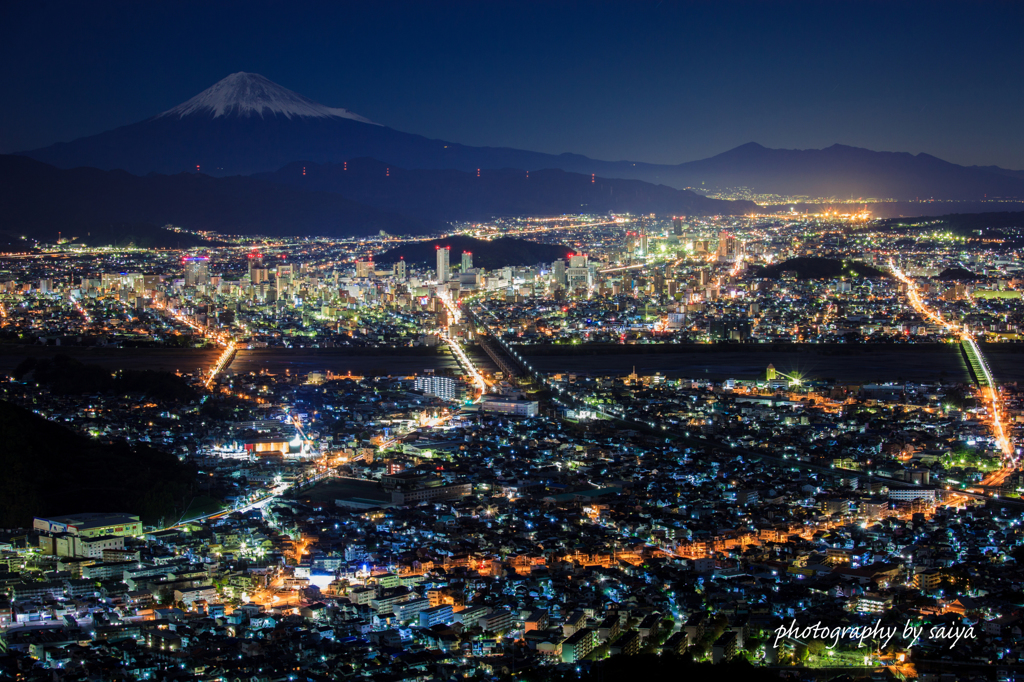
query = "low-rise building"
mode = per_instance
[{"x": 437, "y": 615}]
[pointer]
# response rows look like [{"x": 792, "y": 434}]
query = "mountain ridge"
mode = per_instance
[
  {"x": 232, "y": 205},
  {"x": 50, "y": 469},
  {"x": 842, "y": 170},
  {"x": 229, "y": 139},
  {"x": 459, "y": 195},
  {"x": 114, "y": 206}
]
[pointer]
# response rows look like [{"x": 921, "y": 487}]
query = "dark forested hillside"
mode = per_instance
[{"x": 49, "y": 469}]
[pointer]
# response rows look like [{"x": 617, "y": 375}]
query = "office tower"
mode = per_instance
[
  {"x": 729, "y": 248},
  {"x": 398, "y": 270},
  {"x": 467, "y": 261},
  {"x": 364, "y": 268},
  {"x": 578, "y": 276},
  {"x": 255, "y": 264},
  {"x": 197, "y": 271},
  {"x": 257, "y": 270},
  {"x": 558, "y": 272},
  {"x": 443, "y": 269}
]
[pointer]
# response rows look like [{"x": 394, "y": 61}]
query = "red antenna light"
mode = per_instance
[
  {"x": 478, "y": 172},
  {"x": 197, "y": 168},
  {"x": 387, "y": 173},
  {"x": 303, "y": 170},
  {"x": 592, "y": 175},
  {"x": 346, "y": 165}
]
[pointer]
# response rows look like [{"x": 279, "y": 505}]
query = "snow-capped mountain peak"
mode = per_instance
[{"x": 250, "y": 94}]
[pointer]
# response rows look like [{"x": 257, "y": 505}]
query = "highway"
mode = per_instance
[
  {"x": 218, "y": 337},
  {"x": 454, "y": 317},
  {"x": 986, "y": 383}
]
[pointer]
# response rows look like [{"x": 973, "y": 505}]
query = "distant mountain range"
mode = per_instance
[
  {"x": 246, "y": 124},
  {"x": 460, "y": 195},
  {"x": 115, "y": 207},
  {"x": 851, "y": 173},
  {"x": 40, "y": 200}
]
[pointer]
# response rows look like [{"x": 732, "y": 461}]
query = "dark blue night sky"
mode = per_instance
[{"x": 641, "y": 80}]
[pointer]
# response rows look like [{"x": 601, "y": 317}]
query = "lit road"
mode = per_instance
[
  {"x": 273, "y": 494},
  {"x": 988, "y": 384},
  {"x": 221, "y": 338},
  {"x": 222, "y": 362},
  {"x": 454, "y": 316}
]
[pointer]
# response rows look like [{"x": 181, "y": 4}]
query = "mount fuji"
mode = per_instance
[{"x": 243, "y": 95}]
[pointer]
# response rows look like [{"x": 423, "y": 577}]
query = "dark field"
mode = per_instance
[
  {"x": 166, "y": 359},
  {"x": 326, "y": 492},
  {"x": 870, "y": 365},
  {"x": 273, "y": 360},
  {"x": 945, "y": 364},
  {"x": 338, "y": 361}
]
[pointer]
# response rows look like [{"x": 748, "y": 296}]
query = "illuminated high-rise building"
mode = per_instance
[
  {"x": 445, "y": 388},
  {"x": 398, "y": 270},
  {"x": 730, "y": 249},
  {"x": 443, "y": 268},
  {"x": 197, "y": 271},
  {"x": 558, "y": 272},
  {"x": 467, "y": 261},
  {"x": 257, "y": 270},
  {"x": 578, "y": 274},
  {"x": 255, "y": 263}
]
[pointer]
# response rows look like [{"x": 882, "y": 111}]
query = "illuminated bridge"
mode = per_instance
[{"x": 976, "y": 362}]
